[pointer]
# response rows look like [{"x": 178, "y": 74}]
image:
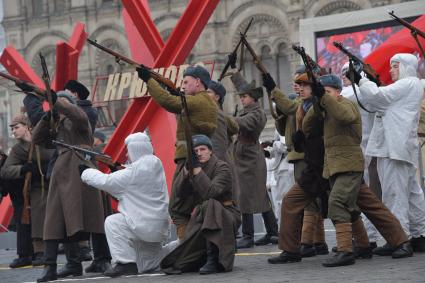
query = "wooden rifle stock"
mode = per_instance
[
  {"x": 26, "y": 210},
  {"x": 235, "y": 51},
  {"x": 101, "y": 157},
  {"x": 119, "y": 57},
  {"x": 413, "y": 29},
  {"x": 260, "y": 66},
  {"x": 187, "y": 134},
  {"x": 46, "y": 80},
  {"x": 367, "y": 68},
  {"x": 40, "y": 93}
]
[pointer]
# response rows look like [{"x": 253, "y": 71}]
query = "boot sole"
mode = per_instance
[
  {"x": 283, "y": 262},
  {"x": 336, "y": 265}
]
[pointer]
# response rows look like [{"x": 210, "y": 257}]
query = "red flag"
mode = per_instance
[{"x": 400, "y": 42}]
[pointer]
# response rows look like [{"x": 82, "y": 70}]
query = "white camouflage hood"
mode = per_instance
[
  {"x": 408, "y": 64},
  {"x": 138, "y": 145}
]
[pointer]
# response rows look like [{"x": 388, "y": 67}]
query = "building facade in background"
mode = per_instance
[{"x": 34, "y": 26}]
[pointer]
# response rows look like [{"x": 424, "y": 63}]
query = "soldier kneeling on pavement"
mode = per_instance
[
  {"x": 208, "y": 245},
  {"x": 136, "y": 233}
]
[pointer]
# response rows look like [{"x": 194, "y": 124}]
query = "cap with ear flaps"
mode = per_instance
[{"x": 243, "y": 87}]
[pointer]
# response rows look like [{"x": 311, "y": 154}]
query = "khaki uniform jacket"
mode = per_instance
[
  {"x": 202, "y": 112},
  {"x": 11, "y": 170},
  {"x": 285, "y": 125},
  {"x": 214, "y": 219},
  {"x": 72, "y": 206},
  {"x": 250, "y": 161},
  {"x": 342, "y": 136}
]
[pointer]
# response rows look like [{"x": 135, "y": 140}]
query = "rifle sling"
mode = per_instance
[{"x": 354, "y": 89}]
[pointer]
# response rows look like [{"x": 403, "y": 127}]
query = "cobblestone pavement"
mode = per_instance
[{"x": 251, "y": 266}]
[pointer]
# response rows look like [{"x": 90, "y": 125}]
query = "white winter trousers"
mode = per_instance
[
  {"x": 402, "y": 194},
  {"x": 125, "y": 246}
]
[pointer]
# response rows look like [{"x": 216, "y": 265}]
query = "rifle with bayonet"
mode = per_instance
[
  {"x": 367, "y": 69},
  {"x": 235, "y": 51},
  {"x": 317, "y": 69},
  {"x": 308, "y": 63},
  {"x": 413, "y": 30},
  {"x": 92, "y": 155},
  {"x": 25, "y": 86},
  {"x": 119, "y": 57},
  {"x": 46, "y": 80},
  {"x": 260, "y": 66}
]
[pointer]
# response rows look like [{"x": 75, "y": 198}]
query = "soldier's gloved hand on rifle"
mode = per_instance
[
  {"x": 373, "y": 79},
  {"x": 298, "y": 139},
  {"x": 268, "y": 82},
  {"x": 144, "y": 73},
  {"x": 24, "y": 87},
  {"x": 82, "y": 167},
  {"x": 353, "y": 73},
  {"x": 195, "y": 161},
  {"x": 318, "y": 90},
  {"x": 27, "y": 167},
  {"x": 232, "y": 57},
  {"x": 48, "y": 116}
]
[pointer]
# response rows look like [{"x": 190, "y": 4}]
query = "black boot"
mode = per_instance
[
  {"x": 285, "y": 257},
  {"x": 50, "y": 257},
  {"x": 418, "y": 244},
  {"x": 73, "y": 265},
  {"x": 49, "y": 274},
  {"x": 270, "y": 224},
  {"x": 38, "y": 259},
  {"x": 385, "y": 250},
  {"x": 321, "y": 248},
  {"x": 102, "y": 256},
  {"x": 122, "y": 269},
  {"x": 247, "y": 231},
  {"x": 245, "y": 243},
  {"x": 307, "y": 250},
  {"x": 98, "y": 266},
  {"x": 340, "y": 259},
  {"x": 364, "y": 253},
  {"x": 404, "y": 250},
  {"x": 20, "y": 262},
  {"x": 266, "y": 239},
  {"x": 212, "y": 265}
]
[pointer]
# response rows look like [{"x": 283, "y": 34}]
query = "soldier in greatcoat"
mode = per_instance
[
  {"x": 209, "y": 241},
  {"x": 226, "y": 129},
  {"x": 251, "y": 165},
  {"x": 15, "y": 168},
  {"x": 73, "y": 209},
  {"x": 203, "y": 120}
]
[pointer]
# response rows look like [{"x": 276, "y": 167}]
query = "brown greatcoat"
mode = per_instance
[
  {"x": 250, "y": 161},
  {"x": 214, "y": 218},
  {"x": 72, "y": 206},
  {"x": 11, "y": 170},
  {"x": 221, "y": 141}
]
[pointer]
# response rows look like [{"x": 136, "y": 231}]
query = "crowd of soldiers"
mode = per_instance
[{"x": 353, "y": 146}]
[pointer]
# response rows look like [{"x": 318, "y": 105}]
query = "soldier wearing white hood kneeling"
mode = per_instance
[{"x": 136, "y": 233}]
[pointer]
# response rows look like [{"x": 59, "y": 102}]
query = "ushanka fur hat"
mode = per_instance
[{"x": 243, "y": 87}]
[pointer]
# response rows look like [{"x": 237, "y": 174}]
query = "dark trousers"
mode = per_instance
[
  {"x": 23, "y": 231},
  {"x": 297, "y": 199},
  {"x": 100, "y": 247},
  {"x": 270, "y": 224}
]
